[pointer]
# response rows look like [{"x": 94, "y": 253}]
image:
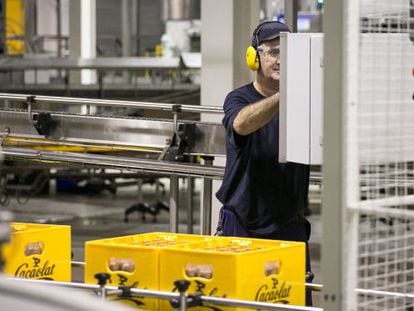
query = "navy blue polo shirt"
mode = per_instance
[{"x": 263, "y": 193}]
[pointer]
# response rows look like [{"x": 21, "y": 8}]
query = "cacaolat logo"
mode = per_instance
[
  {"x": 277, "y": 292},
  {"x": 37, "y": 270}
]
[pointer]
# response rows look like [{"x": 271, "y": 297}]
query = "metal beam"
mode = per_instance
[
  {"x": 133, "y": 164},
  {"x": 100, "y": 63},
  {"x": 109, "y": 103},
  {"x": 291, "y": 14}
]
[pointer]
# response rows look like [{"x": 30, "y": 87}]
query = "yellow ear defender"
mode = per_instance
[{"x": 252, "y": 58}]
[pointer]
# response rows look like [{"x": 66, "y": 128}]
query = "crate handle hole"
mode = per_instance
[
  {"x": 272, "y": 267},
  {"x": 121, "y": 264},
  {"x": 204, "y": 271},
  {"x": 34, "y": 248}
]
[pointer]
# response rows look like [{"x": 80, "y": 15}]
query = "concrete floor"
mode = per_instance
[{"x": 101, "y": 216}]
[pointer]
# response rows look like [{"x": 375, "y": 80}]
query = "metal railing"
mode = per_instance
[
  {"x": 109, "y": 103},
  {"x": 181, "y": 298},
  {"x": 142, "y": 165}
]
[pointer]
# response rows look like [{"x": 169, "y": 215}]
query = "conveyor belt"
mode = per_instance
[
  {"x": 117, "y": 133},
  {"x": 51, "y": 128}
]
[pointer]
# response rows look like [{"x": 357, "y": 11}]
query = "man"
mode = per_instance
[{"x": 261, "y": 198}]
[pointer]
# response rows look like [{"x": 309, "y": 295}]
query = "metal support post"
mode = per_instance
[
  {"x": 174, "y": 204},
  {"x": 125, "y": 33},
  {"x": 59, "y": 33},
  {"x": 291, "y": 14},
  {"x": 205, "y": 212},
  {"x": 190, "y": 218},
  {"x": 157, "y": 189},
  {"x": 3, "y": 39},
  {"x": 59, "y": 30},
  {"x": 140, "y": 194},
  {"x": 175, "y": 109},
  {"x": 182, "y": 286},
  {"x": 102, "y": 280},
  {"x": 340, "y": 166}
]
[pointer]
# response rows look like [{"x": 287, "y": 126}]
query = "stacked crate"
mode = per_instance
[
  {"x": 38, "y": 251},
  {"x": 241, "y": 268},
  {"x": 132, "y": 261}
]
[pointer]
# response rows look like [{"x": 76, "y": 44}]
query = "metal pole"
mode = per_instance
[
  {"x": 291, "y": 14},
  {"x": 144, "y": 165},
  {"x": 126, "y": 34},
  {"x": 205, "y": 219},
  {"x": 169, "y": 295},
  {"x": 103, "y": 293},
  {"x": 157, "y": 189},
  {"x": 183, "y": 302},
  {"x": 174, "y": 204},
  {"x": 110, "y": 289},
  {"x": 190, "y": 184},
  {"x": 59, "y": 29},
  {"x": 205, "y": 213},
  {"x": 337, "y": 269},
  {"x": 3, "y": 37},
  {"x": 111, "y": 103},
  {"x": 254, "y": 304},
  {"x": 134, "y": 28},
  {"x": 140, "y": 194},
  {"x": 102, "y": 279}
]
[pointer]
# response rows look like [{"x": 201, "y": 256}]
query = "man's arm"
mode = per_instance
[{"x": 256, "y": 115}]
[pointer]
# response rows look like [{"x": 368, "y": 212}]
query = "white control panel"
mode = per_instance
[{"x": 301, "y": 95}]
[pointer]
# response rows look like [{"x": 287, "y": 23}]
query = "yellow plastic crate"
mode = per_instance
[
  {"x": 251, "y": 269},
  {"x": 39, "y": 251},
  {"x": 132, "y": 261}
]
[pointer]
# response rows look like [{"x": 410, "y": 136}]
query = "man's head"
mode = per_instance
[
  {"x": 267, "y": 31},
  {"x": 263, "y": 54}
]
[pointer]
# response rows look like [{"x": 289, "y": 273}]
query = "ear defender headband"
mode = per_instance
[{"x": 252, "y": 57}]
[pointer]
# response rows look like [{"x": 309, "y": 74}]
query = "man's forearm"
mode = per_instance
[{"x": 256, "y": 115}]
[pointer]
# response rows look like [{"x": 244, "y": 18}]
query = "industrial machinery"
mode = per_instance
[{"x": 90, "y": 133}]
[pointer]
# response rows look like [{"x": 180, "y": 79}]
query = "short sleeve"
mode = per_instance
[{"x": 232, "y": 106}]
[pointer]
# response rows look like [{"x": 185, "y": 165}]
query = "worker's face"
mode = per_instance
[{"x": 270, "y": 59}]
